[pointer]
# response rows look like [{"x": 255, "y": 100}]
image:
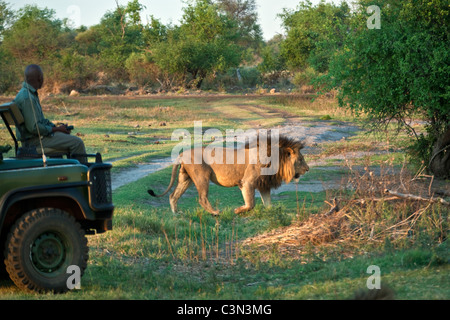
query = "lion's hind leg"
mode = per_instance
[
  {"x": 202, "y": 186},
  {"x": 184, "y": 181}
]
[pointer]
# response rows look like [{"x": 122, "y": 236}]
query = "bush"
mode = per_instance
[
  {"x": 141, "y": 70},
  {"x": 304, "y": 79},
  {"x": 74, "y": 71},
  {"x": 234, "y": 78},
  {"x": 251, "y": 76},
  {"x": 9, "y": 76}
]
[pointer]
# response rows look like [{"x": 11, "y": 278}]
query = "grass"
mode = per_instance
[{"x": 152, "y": 253}]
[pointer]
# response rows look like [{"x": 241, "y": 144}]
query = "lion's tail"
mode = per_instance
[{"x": 172, "y": 181}]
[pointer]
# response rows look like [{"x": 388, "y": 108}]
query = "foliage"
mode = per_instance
[
  {"x": 74, "y": 71},
  {"x": 6, "y": 15},
  {"x": 400, "y": 71},
  {"x": 141, "y": 70},
  {"x": 202, "y": 44},
  {"x": 35, "y": 35},
  {"x": 313, "y": 34},
  {"x": 273, "y": 60},
  {"x": 245, "y": 17},
  {"x": 9, "y": 74},
  {"x": 304, "y": 78},
  {"x": 116, "y": 37},
  {"x": 211, "y": 38}
]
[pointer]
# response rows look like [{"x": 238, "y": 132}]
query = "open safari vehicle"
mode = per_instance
[{"x": 47, "y": 207}]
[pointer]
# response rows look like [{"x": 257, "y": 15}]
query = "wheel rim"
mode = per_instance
[{"x": 48, "y": 252}]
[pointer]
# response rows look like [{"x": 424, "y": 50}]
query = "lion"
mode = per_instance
[{"x": 247, "y": 176}]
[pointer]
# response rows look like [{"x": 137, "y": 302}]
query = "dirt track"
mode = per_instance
[{"x": 317, "y": 132}]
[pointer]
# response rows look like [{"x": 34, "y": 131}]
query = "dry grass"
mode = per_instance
[
  {"x": 369, "y": 217},
  {"x": 295, "y": 240}
]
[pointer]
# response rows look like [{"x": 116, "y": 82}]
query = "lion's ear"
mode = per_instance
[{"x": 290, "y": 151}]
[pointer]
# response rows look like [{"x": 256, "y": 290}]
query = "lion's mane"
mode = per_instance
[{"x": 286, "y": 170}]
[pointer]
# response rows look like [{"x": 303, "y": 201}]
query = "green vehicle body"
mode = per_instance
[
  {"x": 64, "y": 184},
  {"x": 46, "y": 210}
]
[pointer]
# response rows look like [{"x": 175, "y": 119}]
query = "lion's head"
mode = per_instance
[{"x": 292, "y": 165}]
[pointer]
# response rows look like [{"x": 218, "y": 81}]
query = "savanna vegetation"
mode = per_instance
[
  {"x": 298, "y": 249},
  {"x": 396, "y": 73},
  {"x": 331, "y": 69}
]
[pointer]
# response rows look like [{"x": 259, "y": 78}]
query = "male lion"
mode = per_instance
[{"x": 247, "y": 175}]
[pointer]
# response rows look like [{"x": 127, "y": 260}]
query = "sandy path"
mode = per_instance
[{"x": 312, "y": 133}]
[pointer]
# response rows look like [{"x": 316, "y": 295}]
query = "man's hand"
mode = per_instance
[{"x": 62, "y": 129}]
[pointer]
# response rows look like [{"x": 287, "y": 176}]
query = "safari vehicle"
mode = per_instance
[{"x": 47, "y": 207}]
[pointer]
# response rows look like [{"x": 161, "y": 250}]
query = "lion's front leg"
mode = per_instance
[
  {"x": 265, "y": 197},
  {"x": 248, "y": 193}
]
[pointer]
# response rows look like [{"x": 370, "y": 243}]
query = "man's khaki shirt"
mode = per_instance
[{"x": 27, "y": 99}]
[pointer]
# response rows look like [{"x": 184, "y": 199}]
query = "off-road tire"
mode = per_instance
[{"x": 40, "y": 247}]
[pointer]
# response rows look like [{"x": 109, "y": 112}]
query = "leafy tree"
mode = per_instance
[
  {"x": 35, "y": 36},
  {"x": 114, "y": 39},
  {"x": 8, "y": 73},
  {"x": 273, "y": 61},
  {"x": 87, "y": 41},
  {"x": 201, "y": 45},
  {"x": 74, "y": 71},
  {"x": 273, "y": 66},
  {"x": 245, "y": 16},
  {"x": 400, "y": 71},
  {"x": 6, "y": 15},
  {"x": 142, "y": 70},
  {"x": 155, "y": 32},
  {"x": 314, "y": 33}
]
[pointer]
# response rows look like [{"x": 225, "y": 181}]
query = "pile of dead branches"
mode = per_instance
[{"x": 376, "y": 211}]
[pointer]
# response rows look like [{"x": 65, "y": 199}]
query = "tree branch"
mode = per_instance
[{"x": 415, "y": 197}]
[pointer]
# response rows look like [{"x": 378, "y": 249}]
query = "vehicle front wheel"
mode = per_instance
[{"x": 40, "y": 247}]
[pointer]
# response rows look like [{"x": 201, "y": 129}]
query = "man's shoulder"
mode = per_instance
[{"x": 21, "y": 96}]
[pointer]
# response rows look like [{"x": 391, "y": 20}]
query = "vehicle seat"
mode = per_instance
[{"x": 13, "y": 118}]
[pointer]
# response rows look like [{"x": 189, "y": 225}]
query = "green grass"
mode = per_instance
[{"x": 152, "y": 253}]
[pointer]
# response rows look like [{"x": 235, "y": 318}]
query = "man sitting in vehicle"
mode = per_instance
[{"x": 36, "y": 126}]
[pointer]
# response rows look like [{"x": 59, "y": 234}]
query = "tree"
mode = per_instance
[
  {"x": 114, "y": 39},
  {"x": 273, "y": 65},
  {"x": 245, "y": 15},
  {"x": 35, "y": 36},
  {"x": 273, "y": 61},
  {"x": 8, "y": 73},
  {"x": 142, "y": 71},
  {"x": 6, "y": 16},
  {"x": 203, "y": 44},
  {"x": 399, "y": 72},
  {"x": 314, "y": 33}
]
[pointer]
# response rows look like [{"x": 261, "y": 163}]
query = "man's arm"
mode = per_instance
[{"x": 34, "y": 120}]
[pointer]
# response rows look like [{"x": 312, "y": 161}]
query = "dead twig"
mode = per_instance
[
  {"x": 367, "y": 200},
  {"x": 415, "y": 197},
  {"x": 334, "y": 207},
  {"x": 412, "y": 219}
]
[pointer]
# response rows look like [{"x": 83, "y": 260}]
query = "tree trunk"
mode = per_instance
[
  {"x": 440, "y": 160},
  {"x": 198, "y": 77}
]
